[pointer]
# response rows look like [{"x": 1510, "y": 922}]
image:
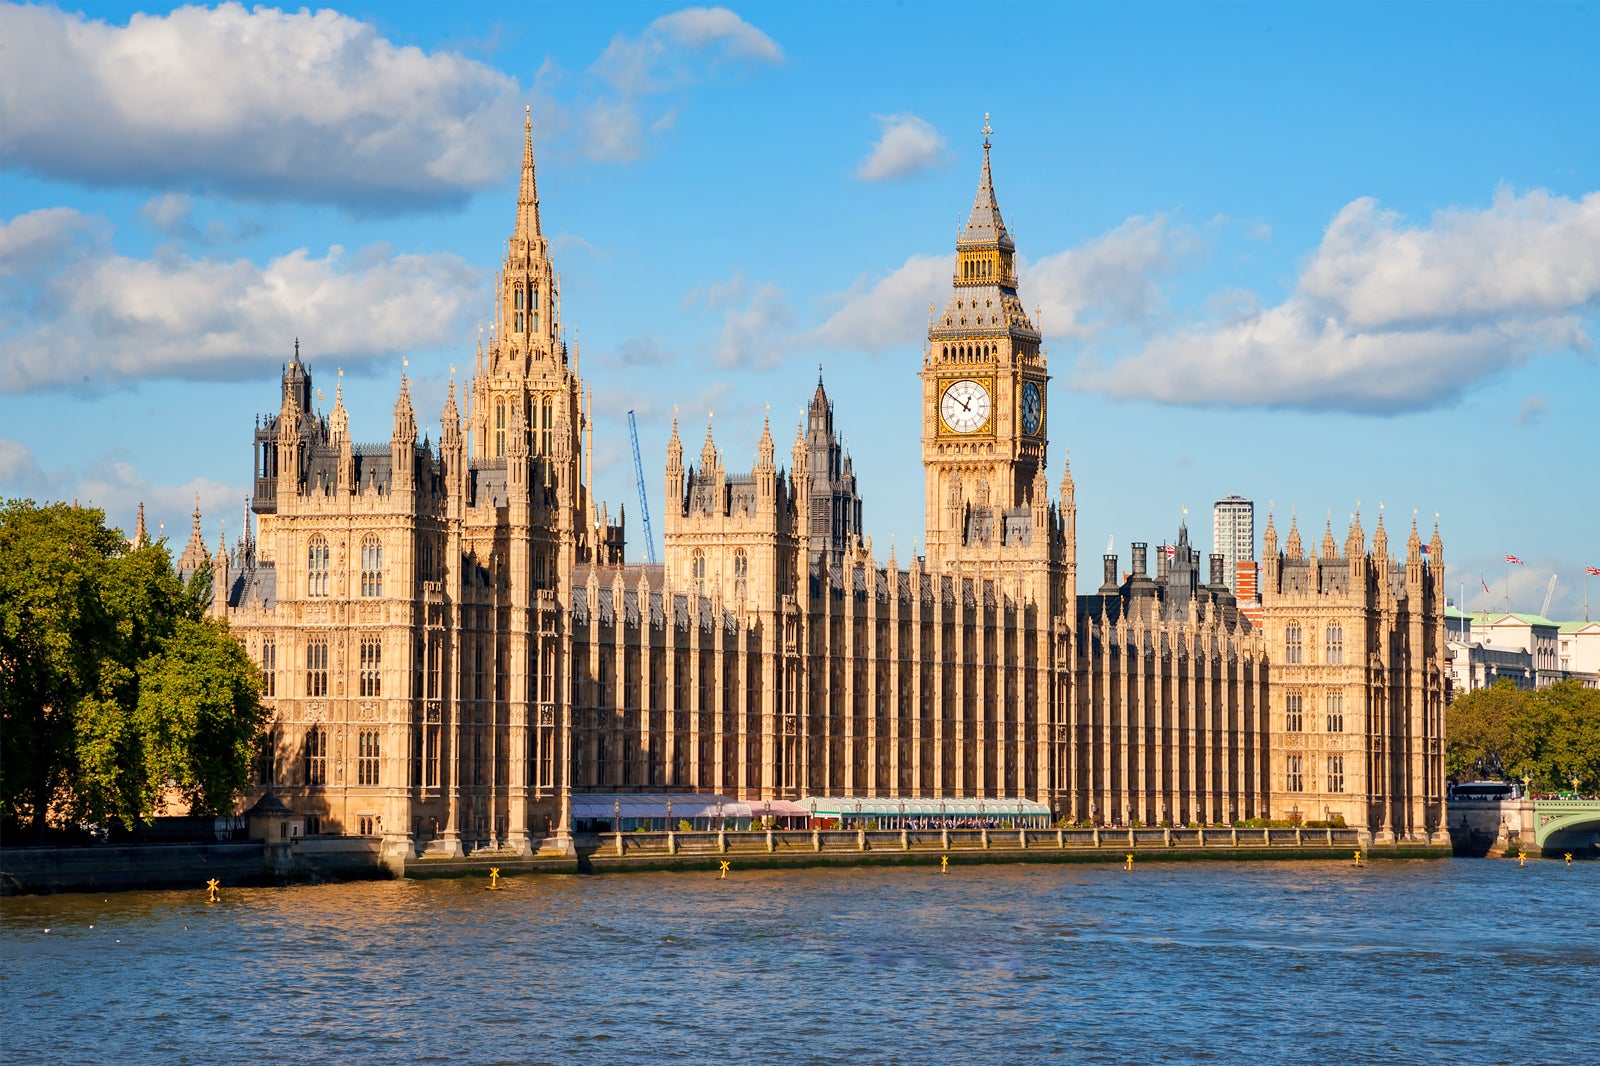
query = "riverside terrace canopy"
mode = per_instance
[
  {"x": 596, "y": 811},
  {"x": 887, "y": 813}
]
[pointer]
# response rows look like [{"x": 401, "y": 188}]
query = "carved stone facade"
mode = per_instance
[{"x": 454, "y": 645}]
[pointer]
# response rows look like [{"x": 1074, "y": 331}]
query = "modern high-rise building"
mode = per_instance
[
  {"x": 459, "y": 658},
  {"x": 1233, "y": 534}
]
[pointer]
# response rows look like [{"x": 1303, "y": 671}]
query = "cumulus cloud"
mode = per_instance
[
  {"x": 116, "y": 487},
  {"x": 892, "y": 312},
  {"x": 262, "y": 103},
  {"x": 74, "y": 313},
  {"x": 1387, "y": 318},
  {"x": 674, "y": 51},
  {"x": 1110, "y": 280},
  {"x": 906, "y": 145},
  {"x": 757, "y": 323}
]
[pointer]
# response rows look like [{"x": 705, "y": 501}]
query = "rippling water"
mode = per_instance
[{"x": 1471, "y": 960}]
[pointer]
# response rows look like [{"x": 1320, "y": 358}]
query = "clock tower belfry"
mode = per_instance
[{"x": 983, "y": 400}]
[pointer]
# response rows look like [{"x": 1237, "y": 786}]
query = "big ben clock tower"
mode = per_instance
[{"x": 983, "y": 399}]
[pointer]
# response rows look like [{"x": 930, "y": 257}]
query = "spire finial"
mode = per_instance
[
  {"x": 527, "y": 122},
  {"x": 987, "y": 131}
]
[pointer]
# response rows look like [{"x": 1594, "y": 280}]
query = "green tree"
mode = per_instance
[
  {"x": 87, "y": 623},
  {"x": 200, "y": 707},
  {"x": 1548, "y": 735}
]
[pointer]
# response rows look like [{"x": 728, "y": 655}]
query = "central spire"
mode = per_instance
[
  {"x": 985, "y": 227},
  {"x": 528, "y": 197}
]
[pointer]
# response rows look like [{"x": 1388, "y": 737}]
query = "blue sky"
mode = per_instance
[{"x": 1312, "y": 255}]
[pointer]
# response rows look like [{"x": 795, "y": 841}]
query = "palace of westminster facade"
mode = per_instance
[{"x": 453, "y": 645}]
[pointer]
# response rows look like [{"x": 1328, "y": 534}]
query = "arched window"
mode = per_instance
[
  {"x": 371, "y": 565},
  {"x": 367, "y": 757},
  {"x": 316, "y": 756},
  {"x": 1335, "y": 643},
  {"x": 1293, "y": 647},
  {"x": 267, "y": 758},
  {"x": 371, "y": 666},
  {"x": 698, "y": 568},
  {"x": 1336, "y": 712},
  {"x": 499, "y": 428},
  {"x": 1296, "y": 775},
  {"x": 269, "y": 669},
  {"x": 317, "y": 666},
  {"x": 741, "y": 570},
  {"x": 1336, "y": 773},
  {"x": 519, "y": 298},
  {"x": 1294, "y": 713},
  {"x": 426, "y": 561},
  {"x": 317, "y": 567}
]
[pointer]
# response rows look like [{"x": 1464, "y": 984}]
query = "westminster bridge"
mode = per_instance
[{"x": 1552, "y": 824}]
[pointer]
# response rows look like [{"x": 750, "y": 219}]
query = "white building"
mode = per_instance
[{"x": 1233, "y": 534}]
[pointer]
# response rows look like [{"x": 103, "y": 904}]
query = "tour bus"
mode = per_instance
[{"x": 1483, "y": 790}]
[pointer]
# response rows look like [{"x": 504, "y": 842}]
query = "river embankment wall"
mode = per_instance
[{"x": 110, "y": 868}]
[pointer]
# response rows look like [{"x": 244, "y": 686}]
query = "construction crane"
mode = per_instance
[
  {"x": 1544, "y": 612},
  {"x": 644, "y": 500}
]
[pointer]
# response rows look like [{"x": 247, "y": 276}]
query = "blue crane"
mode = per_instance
[{"x": 644, "y": 500}]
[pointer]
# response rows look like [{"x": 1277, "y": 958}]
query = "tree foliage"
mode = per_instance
[
  {"x": 112, "y": 681},
  {"x": 1549, "y": 735}
]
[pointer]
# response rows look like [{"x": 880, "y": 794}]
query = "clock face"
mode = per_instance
[
  {"x": 965, "y": 406},
  {"x": 1031, "y": 406}
]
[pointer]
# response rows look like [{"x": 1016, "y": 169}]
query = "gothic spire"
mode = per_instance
[
  {"x": 140, "y": 537},
  {"x": 528, "y": 197},
  {"x": 984, "y": 225}
]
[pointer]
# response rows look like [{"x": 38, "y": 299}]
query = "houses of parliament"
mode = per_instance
[{"x": 456, "y": 647}]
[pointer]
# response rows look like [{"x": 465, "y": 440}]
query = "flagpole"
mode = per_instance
[{"x": 1508, "y": 586}]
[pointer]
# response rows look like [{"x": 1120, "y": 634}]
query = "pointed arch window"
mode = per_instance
[
  {"x": 741, "y": 571},
  {"x": 1335, "y": 643},
  {"x": 317, "y": 667},
  {"x": 698, "y": 568},
  {"x": 1293, "y": 644},
  {"x": 371, "y": 666},
  {"x": 316, "y": 756},
  {"x": 499, "y": 428},
  {"x": 519, "y": 297},
  {"x": 371, "y": 565},
  {"x": 317, "y": 567}
]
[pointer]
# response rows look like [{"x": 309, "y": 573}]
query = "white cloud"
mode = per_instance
[
  {"x": 1387, "y": 318},
  {"x": 116, "y": 487},
  {"x": 672, "y": 52},
  {"x": 97, "y": 319},
  {"x": 906, "y": 144},
  {"x": 891, "y": 313},
  {"x": 258, "y": 103},
  {"x": 1110, "y": 280},
  {"x": 756, "y": 329}
]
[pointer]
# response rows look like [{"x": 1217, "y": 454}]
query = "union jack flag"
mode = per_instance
[
  {"x": 1592, "y": 570},
  {"x": 1513, "y": 559}
]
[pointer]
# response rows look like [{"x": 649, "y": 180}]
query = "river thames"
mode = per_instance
[{"x": 1294, "y": 962}]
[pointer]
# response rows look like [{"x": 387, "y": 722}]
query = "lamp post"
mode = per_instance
[
  {"x": 981, "y": 821},
  {"x": 1526, "y": 782},
  {"x": 813, "y": 815},
  {"x": 616, "y": 816},
  {"x": 1019, "y": 814},
  {"x": 941, "y": 815},
  {"x": 1574, "y": 787},
  {"x": 766, "y": 815},
  {"x": 858, "y": 814},
  {"x": 719, "y": 816},
  {"x": 902, "y": 814},
  {"x": 669, "y": 814}
]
